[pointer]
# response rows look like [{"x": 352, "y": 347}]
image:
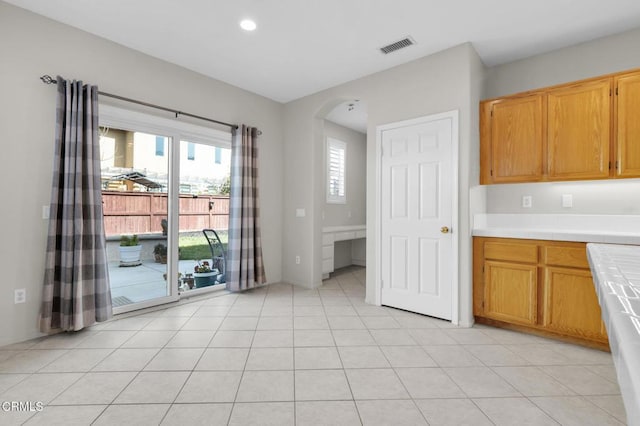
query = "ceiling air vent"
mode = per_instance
[{"x": 400, "y": 44}]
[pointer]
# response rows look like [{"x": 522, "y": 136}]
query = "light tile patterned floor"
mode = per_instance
[{"x": 285, "y": 355}]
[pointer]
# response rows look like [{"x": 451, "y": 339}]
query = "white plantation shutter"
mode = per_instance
[{"x": 336, "y": 171}]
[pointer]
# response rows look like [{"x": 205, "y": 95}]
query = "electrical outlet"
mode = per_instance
[
  {"x": 45, "y": 212},
  {"x": 527, "y": 201},
  {"x": 567, "y": 200},
  {"x": 297, "y": 260},
  {"x": 20, "y": 295}
]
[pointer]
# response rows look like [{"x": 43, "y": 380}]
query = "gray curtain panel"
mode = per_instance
[
  {"x": 245, "y": 268},
  {"x": 76, "y": 290}
]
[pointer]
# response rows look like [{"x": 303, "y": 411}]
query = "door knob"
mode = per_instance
[{"x": 444, "y": 229}]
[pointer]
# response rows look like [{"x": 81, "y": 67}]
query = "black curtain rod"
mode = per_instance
[{"x": 48, "y": 80}]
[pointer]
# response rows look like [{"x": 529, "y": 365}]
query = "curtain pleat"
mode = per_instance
[
  {"x": 245, "y": 265},
  {"x": 76, "y": 291}
]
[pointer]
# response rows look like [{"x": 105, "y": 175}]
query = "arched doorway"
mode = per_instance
[{"x": 340, "y": 135}]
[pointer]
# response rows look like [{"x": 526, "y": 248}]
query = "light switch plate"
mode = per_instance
[
  {"x": 301, "y": 213},
  {"x": 567, "y": 200},
  {"x": 527, "y": 201}
]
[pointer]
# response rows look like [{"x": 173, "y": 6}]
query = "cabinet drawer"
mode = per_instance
[
  {"x": 361, "y": 234},
  {"x": 575, "y": 257},
  {"x": 341, "y": 236},
  {"x": 516, "y": 252},
  {"x": 327, "y": 252},
  {"x": 327, "y": 239},
  {"x": 327, "y": 266}
]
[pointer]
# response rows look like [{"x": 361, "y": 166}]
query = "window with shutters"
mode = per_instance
[{"x": 336, "y": 171}]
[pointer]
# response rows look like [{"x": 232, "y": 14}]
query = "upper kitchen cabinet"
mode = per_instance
[
  {"x": 627, "y": 125},
  {"x": 579, "y": 130},
  {"x": 576, "y": 131},
  {"x": 516, "y": 139}
]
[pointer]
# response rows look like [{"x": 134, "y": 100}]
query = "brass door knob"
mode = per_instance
[{"x": 444, "y": 229}]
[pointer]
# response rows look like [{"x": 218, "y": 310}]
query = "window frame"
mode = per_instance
[{"x": 335, "y": 144}]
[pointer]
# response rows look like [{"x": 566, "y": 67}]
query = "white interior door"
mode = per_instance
[{"x": 417, "y": 217}]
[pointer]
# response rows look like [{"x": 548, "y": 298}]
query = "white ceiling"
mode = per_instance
[{"x": 304, "y": 46}]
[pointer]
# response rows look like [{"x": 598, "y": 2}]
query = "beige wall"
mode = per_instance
[
  {"x": 602, "y": 56},
  {"x": 445, "y": 81},
  {"x": 31, "y": 46}
]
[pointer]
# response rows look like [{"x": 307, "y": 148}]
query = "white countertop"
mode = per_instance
[
  {"x": 345, "y": 228},
  {"x": 614, "y": 229},
  {"x": 616, "y": 275}
]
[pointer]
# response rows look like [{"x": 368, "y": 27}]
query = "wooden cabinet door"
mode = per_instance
[
  {"x": 579, "y": 131},
  {"x": 516, "y": 139},
  {"x": 510, "y": 292},
  {"x": 570, "y": 303},
  {"x": 627, "y": 126}
]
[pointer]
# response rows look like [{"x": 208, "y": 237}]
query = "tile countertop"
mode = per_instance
[
  {"x": 614, "y": 229},
  {"x": 616, "y": 275}
]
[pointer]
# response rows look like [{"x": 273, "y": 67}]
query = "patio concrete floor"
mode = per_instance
[{"x": 143, "y": 282}]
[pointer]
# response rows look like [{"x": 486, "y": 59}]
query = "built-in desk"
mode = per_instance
[{"x": 333, "y": 234}]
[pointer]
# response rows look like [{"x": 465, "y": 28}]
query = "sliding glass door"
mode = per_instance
[
  {"x": 165, "y": 186},
  {"x": 135, "y": 194},
  {"x": 204, "y": 215}
]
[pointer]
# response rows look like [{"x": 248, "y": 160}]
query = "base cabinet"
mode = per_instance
[
  {"x": 571, "y": 304},
  {"x": 510, "y": 292},
  {"x": 540, "y": 286}
]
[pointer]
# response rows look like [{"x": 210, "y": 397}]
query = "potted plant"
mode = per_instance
[
  {"x": 203, "y": 274},
  {"x": 130, "y": 249},
  {"x": 160, "y": 253}
]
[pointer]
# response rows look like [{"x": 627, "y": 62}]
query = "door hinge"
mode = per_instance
[
  {"x": 609, "y": 92},
  {"x": 483, "y": 304},
  {"x": 616, "y": 91},
  {"x": 491, "y": 172},
  {"x": 609, "y": 165},
  {"x": 617, "y": 166}
]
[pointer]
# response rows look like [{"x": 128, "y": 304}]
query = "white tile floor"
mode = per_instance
[{"x": 285, "y": 355}]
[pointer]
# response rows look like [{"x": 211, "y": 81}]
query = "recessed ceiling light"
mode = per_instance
[{"x": 248, "y": 25}]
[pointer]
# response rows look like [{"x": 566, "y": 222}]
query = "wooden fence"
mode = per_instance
[{"x": 142, "y": 212}]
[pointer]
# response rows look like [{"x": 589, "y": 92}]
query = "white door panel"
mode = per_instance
[{"x": 417, "y": 188}]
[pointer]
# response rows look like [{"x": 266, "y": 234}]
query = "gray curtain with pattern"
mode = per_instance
[
  {"x": 76, "y": 291},
  {"x": 245, "y": 268}
]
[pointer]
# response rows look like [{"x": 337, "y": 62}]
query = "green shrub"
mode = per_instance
[{"x": 129, "y": 240}]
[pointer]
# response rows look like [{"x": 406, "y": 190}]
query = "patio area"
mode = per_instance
[{"x": 136, "y": 284}]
